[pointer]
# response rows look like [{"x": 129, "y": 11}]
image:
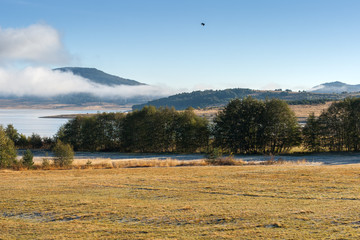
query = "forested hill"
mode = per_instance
[
  {"x": 98, "y": 76},
  {"x": 216, "y": 98}
]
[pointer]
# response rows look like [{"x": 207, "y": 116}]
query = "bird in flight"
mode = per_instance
[{"x": 202, "y": 24}]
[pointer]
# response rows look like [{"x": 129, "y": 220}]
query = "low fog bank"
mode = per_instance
[{"x": 44, "y": 82}]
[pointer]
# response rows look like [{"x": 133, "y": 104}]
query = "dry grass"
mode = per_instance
[
  {"x": 132, "y": 163},
  {"x": 126, "y": 163},
  {"x": 210, "y": 202},
  {"x": 303, "y": 111},
  {"x": 99, "y": 163}
]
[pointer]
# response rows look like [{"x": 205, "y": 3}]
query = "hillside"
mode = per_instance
[
  {"x": 82, "y": 98},
  {"x": 216, "y": 98},
  {"x": 335, "y": 87},
  {"x": 98, "y": 76}
]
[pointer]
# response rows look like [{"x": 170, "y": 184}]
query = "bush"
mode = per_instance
[
  {"x": 27, "y": 159},
  {"x": 223, "y": 161},
  {"x": 214, "y": 153},
  {"x": 64, "y": 154},
  {"x": 45, "y": 163}
]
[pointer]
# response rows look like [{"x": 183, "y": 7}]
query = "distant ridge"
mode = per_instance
[
  {"x": 335, "y": 87},
  {"x": 99, "y": 77},
  {"x": 218, "y": 98}
]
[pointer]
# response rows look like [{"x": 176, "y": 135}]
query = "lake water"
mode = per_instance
[{"x": 28, "y": 121}]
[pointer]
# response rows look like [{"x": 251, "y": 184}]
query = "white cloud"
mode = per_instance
[
  {"x": 38, "y": 43},
  {"x": 44, "y": 82}
]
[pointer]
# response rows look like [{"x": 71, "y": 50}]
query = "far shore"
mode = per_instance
[
  {"x": 13, "y": 104},
  {"x": 69, "y": 107}
]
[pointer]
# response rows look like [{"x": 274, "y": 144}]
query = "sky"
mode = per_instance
[{"x": 258, "y": 44}]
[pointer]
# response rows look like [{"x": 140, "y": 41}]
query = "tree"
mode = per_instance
[
  {"x": 27, "y": 159},
  {"x": 253, "y": 126},
  {"x": 281, "y": 129},
  {"x": 191, "y": 132},
  {"x": 239, "y": 128},
  {"x": 36, "y": 141},
  {"x": 12, "y": 133},
  {"x": 100, "y": 132},
  {"x": 23, "y": 142},
  {"x": 312, "y": 134},
  {"x": 7, "y": 150},
  {"x": 338, "y": 128},
  {"x": 64, "y": 154}
]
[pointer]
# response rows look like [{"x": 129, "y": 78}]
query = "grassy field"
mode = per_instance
[{"x": 237, "y": 202}]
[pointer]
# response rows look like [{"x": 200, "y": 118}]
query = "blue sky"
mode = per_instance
[{"x": 260, "y": 44}]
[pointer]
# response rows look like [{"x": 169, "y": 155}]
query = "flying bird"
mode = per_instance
[{"x": 202, "y": 24}]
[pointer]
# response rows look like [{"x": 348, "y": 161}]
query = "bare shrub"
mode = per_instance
[{"x": 224, "y": 161}]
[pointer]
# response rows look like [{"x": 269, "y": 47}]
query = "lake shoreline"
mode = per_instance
[{"x": 337, "y": 158}]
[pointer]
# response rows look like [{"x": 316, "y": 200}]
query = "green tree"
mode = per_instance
[
  {"x": 35, "y": 141},
  {"x": 339, "y": 126},
  {"x": 7, "y": 150},
  {"x": 100, "y": 132},
  {"x": 281, "y": 129},
  {"x": 191, "y": 132},
  {"x": 64, "y": 154},
  {"x": 239, "y": 127},
  {"x": 312, "y": 134},
  {"x": 70, "y": 133},
  {"x": 12, "y": 133},
  {"x": 27, "y": 159},
  {"x": 23, "y": 141},
  {"x": 252, "y": 126}
]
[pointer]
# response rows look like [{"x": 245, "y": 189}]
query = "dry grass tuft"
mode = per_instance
[{"x": 135, "y": 163}]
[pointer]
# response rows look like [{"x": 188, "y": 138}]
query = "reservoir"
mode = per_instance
[{"x": 28, "y": 121}]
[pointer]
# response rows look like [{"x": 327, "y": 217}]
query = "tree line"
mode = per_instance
[
  {"x": 244, "y": 126},
  {"x": 337, "y": 129},
  {"x": 150, "y": 129},
  {"x": 63, "y": 153},
  {"x": 211, "y": 98}
]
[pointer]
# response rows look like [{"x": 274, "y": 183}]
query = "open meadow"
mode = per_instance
[{"x": 201, "y": 202}]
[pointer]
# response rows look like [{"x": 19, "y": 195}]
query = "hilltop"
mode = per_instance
[
  {"x": 98, "y": 76},
  {"x": 335, "y": 87}
]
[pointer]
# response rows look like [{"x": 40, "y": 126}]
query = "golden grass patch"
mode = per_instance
[{"x": 208, "y": 202}]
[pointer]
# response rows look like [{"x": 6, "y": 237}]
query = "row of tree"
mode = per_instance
[
  {"x": 63, "y": 153},
  {"x": 147, "y": 130},
  {"x": 35, "y": 141},
  {"x": 243, "y": 126},
  {"x": 337, "y": 129}
]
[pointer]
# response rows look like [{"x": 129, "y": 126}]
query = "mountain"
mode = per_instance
[
  {"x": 218, "y": 98},
  {"x": 98, "y": 76},
  {"x": 78, "y": 98},
  {"x": 335, "y": 87}
]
